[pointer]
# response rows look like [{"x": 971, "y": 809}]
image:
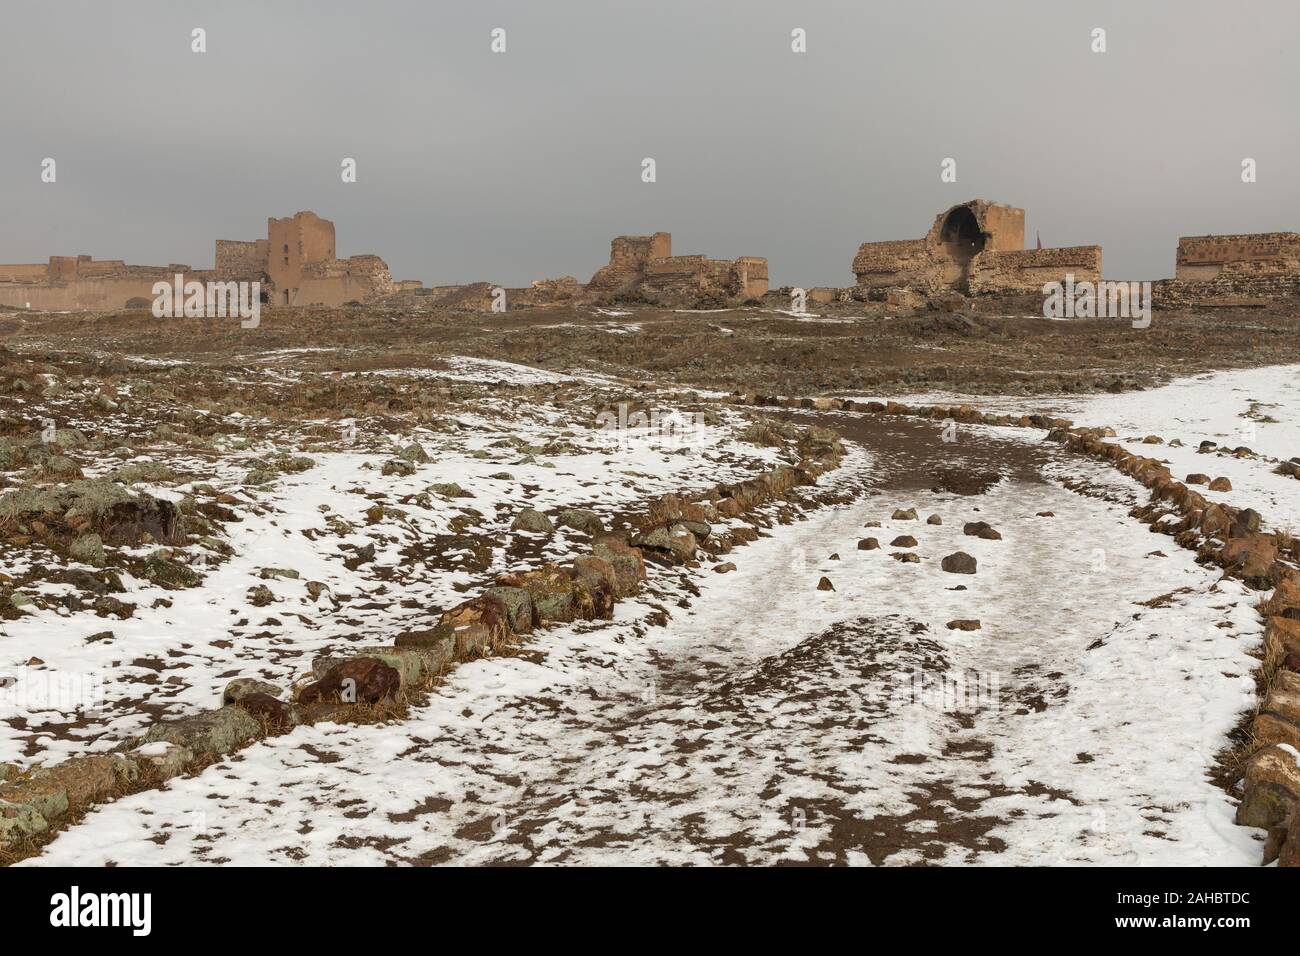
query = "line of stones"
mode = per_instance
[
  {"x": 369, "y": 680},
  {"x": 1220, "y": 534}
]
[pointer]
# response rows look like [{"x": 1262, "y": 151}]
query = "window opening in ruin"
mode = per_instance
[{"x": 963, "y": 240}]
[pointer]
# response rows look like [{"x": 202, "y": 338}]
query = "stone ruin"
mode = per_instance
[
  {"x": 1237, "y": 270},
  {"x": 640, "y": 269},
  {"x": 295, "y": 264},
  {"x": 643, "y": 268},
  {"x": 974, "y": 248}
]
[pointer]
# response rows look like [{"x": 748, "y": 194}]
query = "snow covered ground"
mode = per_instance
[
  {"x": 1257, "y": 408},
  {"x": 769, "y": 721},
  {"x": 73, "y": 681}
]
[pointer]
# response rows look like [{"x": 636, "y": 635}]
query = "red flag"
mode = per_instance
[{"x": 1039, "y": 238}]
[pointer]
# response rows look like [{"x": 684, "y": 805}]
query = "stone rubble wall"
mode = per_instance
[
  {"x": 36, "y": 802},
  {"x": 1028, "y": 270}
]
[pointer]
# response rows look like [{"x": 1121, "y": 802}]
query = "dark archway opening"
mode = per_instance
[
  {"x": 961, "y": 233},
  {"x": 962, "y": 238}
]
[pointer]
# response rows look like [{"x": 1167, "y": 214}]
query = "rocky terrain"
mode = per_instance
[{"x": 571, "y": 585}]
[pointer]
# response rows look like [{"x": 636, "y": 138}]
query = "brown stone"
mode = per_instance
[
  {"x": 627, "y": 562},
  {"x": 959, "y": 562},
  {"x": 1278, "y": 721},
  {"x": 1251, "y": 556},
  {"x": 1197, "y": 479},
  {"x": 825, "y": 584},
  {"x": 1220, "y": 484},
  {"x": 360, "y": 680},
  {"x": 597, "y": 577},
  {"x": 981, "y": 529},
  {"x": 964, "y": 624},
  {"x": 1270, "y": 787},
  {"x": 478, "y": 625},
  {"x": 1289, "y": 854},
  {"x": 277, "y": 716},
  {"x": 903, "y": 541},
  {"x": 1285, "y": 632},
  {"x": 868, "y": 544}
]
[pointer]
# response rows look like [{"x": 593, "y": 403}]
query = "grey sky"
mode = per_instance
[{"x": 516, "y": 166}]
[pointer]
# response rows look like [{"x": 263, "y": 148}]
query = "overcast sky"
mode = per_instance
[{"x": 510, "y": 167}]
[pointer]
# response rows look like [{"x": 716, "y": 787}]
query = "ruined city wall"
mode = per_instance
[
  {"x": 901, "y": 262},
  {"x": 234, "y": 257},
  {"x": 752, "y": 275},
  {"x": 105, "y": 293},
  {"x": 24, "y": 272},
  {"x": 1028, "y": 270},
  {"x": 336, "y": 281},
  {"x": 1202, "y": 258}
]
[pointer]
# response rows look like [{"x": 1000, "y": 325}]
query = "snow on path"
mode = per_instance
[
  {"x": 771, "y": 721},
  {"x": 1258, "y": 408}
]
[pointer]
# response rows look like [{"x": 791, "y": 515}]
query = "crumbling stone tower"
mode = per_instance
[{"x": 973, "y": 247}]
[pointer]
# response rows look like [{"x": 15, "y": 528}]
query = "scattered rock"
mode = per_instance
[
  {"x": 170, "y": 574},
  {"x": 1220, "y": 484},
  {"x": 964, "y": 624},
  {"x": 243, "y": 686},
  {"x": 981, "y": 529},
  {"x": 868, "y": 544},
  {"x": 825, "y": 584},
  {"x": 266, "y": 574},
  {"x": 415, "y": 454},
  {"x": 959, "y": 562},
  {"x": 907, "y": 557},
  {"x": 903, "y": 541},
  {"x": 904, "y": 514},
  {"x": 89, "y": 549},
  {"x": 532, "y": 520},
  {"x": 1196, "y": 478},
  {"x": 453, "y": 490},
  {"x": 934, "y": 519},
  {"x": 724, "y": 567},
  {"x": 580, "y": 519},
  {"x": 399, "y": 467},
  {"x": 360, "y": 556},
  {"x": 260, "y": 596}
]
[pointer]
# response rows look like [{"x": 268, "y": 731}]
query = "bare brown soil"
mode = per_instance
[{"x": 842, "y": 348}]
